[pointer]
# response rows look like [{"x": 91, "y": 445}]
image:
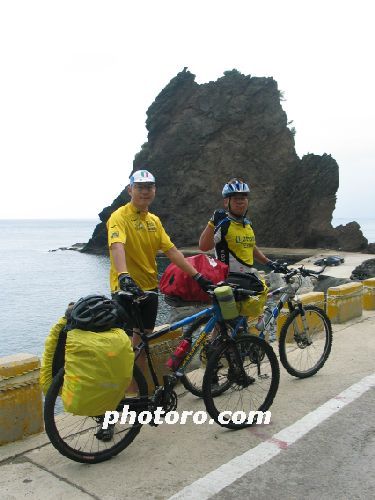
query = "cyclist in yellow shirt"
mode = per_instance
[{"x": 134, "y": 237}]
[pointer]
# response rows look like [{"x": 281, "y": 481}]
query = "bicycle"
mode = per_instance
[
  {"x": 306, "y": 336},
  {"x": 249, "y": 362}
]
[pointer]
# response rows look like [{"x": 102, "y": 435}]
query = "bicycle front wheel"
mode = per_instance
[
  {"x": 305, "y": 343},
  {"x": 82, "y": 438},
  {"x": 250, "y": 368}
]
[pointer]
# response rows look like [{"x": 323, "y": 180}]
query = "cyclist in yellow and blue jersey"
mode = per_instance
[{"x": 231, "y": 232}]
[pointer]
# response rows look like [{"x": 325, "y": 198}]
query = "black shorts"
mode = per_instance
[{"x": 148, "y": 309}]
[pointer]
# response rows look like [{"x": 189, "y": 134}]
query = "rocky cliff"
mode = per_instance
[{"x": 199, "y": 136}]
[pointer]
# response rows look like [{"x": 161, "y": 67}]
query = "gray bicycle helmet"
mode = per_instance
[{"x": 96, "y": 313}]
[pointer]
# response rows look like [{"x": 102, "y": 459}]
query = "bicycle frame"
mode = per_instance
[
  {"x": 213, "y": 312},
  {"x": 277, "y": 309}
]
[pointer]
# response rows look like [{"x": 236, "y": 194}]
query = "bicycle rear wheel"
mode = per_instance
[
  {"x": 79, "y": 437},
  {"x": 303, "y": 352},
  {"x": 250, "y": 389}
]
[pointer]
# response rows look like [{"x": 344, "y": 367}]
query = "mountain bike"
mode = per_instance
[
  {"x": 243, "y": 374},
  {"x": 306, "y": 336}
]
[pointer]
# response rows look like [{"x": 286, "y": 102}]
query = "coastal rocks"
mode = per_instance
[
  {"x": 370, "y": 248},
  {"x": 77, "y": 247},
  {"x": 364, "y": 271},
  {"x": 350, "y": 238},
  {"x": 324, "y": 282},
  {"x": 97, "y": 244},
  {"x": 201, "y": 135}
]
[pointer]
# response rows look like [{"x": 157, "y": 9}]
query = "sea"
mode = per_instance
[{"x": 37, "y": 280}]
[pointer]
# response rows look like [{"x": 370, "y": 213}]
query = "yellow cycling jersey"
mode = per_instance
[
  {"x": 142, "y": 235},
  {"x": 234, "y": 244}
]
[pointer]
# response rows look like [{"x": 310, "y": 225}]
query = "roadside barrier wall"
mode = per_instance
[
  {"x": 20, "y": 397},
  {"x": 368, "y": 299},
  {"x": 344, "y": 302}
]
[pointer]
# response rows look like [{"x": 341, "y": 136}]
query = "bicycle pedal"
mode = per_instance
[{"x": 106, "y": 435}]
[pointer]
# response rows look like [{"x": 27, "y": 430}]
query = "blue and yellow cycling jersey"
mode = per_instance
[{"x": 234, "y": 244}]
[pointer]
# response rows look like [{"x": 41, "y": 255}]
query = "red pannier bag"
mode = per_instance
[{"x": 176, "y": 283}]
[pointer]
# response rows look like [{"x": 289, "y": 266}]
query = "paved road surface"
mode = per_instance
[{"x": 334, "y": 460}]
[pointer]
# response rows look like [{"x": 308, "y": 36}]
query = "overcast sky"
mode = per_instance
[{"x": 78, "y": 76}]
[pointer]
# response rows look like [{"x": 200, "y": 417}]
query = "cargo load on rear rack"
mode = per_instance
[{"x": 98, "y": 370}]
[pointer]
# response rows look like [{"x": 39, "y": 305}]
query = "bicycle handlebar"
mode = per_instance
[{"x": 303, "y": 271}]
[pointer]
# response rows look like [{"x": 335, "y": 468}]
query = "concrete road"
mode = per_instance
[
  {"x": 334, "y": 460},
  {"x": 334, "y": 456}
]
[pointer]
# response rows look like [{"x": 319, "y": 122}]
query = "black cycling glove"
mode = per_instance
[
  {"x": 127, "y": 284},
  {"x": 203, "y": 282},
  {"x": 218, "y": 216},
  {"x": 277, "y": 267}
]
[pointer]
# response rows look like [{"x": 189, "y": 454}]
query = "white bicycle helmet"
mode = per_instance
[
  {"x": 142, "y": 176},
  {"x": 235, "y": 186}
]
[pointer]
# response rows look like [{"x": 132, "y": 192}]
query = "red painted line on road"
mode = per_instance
[{"x": 283, "y": 445}]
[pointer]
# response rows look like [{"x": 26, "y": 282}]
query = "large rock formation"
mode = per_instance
[{"x": 199, "y": 136}]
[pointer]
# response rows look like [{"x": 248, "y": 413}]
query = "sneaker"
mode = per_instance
[{"x": 106, "y": 434}]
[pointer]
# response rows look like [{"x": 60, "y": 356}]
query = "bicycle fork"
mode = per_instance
[
  {"x": 302, "y": 338},
  {"x": 236, "y": 369}
]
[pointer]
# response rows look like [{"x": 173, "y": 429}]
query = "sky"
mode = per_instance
[{"x": 78, "y": 76}]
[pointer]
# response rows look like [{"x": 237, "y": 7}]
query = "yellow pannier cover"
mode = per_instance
[
  {"x": 98, "y": 370},
  {"x": 48, "y": 354},
  {"x": 253, "y": 306}
]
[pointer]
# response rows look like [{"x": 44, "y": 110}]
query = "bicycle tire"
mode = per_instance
[
  {"x": 70, "y": 434},
  {"x": 261, "y": 383},
  {"x": 192, "y": 379},
  {"x": 311, "y": 353}
]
